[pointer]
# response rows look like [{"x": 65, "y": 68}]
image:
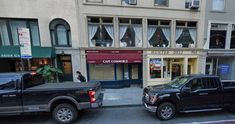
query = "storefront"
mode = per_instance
[
  {"x": 11, "y": 61},
  {"x": 115, "y": 67},
  {"x": 164, "y": 65},
  {"x": 221, "y": 63}
]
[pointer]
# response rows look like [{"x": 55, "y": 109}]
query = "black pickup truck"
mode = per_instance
[
  {"x": 190, "y": 93},
  {"x": 26, "y": 92}
]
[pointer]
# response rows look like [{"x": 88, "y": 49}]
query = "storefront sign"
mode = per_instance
[
  {"x": 25, "y": 43},
  {"x": 113, "y": 56},
  {"x": 174, "y": 52},
  {"x": 224, "y": 69},
  {"x": 9, "y": 55}
]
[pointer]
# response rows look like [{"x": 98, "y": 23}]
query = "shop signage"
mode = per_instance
[
  {"x": 115, "y": 61},
  {"x": 224, "y": 69},
  {"x": 25, "y": 43},
  {"x": 9, "y": 55},
  {"x": 174, "y": 52}
]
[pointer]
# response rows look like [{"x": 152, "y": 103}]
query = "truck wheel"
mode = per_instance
[
  {"x": 166, "y": 111},
  {"x": 65, "y": 113}
]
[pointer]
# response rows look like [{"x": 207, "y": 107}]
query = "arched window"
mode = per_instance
[{"x": 60, "y": 33}]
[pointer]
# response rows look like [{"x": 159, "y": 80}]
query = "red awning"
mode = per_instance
[{"x": 111, "y": 57}]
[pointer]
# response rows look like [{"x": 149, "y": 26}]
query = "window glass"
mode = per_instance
[
  {"x": 228, "y": 83},
  {"x": 101, "y": 72},
  {"x": 32, "y": 80},
  {"x": 161, "y": 2},
  {"x": 61, "y": 35},
  {"x": 4, "y": 38},
  {"x": 218, "y": 5},
  {"x": 101, "y": 32},
  {"x": 218, "y": 36},
  {"x": 195, "y": 84},
  {"x": 7, "y": 84},
  {"x": 232, "y": 45},
  {"x": 34, "y": 33},
  {"x": 155, "y": 65},
  {"x": 14, "y": 30}
]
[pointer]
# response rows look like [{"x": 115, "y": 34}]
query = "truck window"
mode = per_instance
[
  {"x": 32, "y": 80},
  {"x": 228, "y": 84},
  {"x": 7, "y": 84},
  {"x": 195, "y": 84},
  {"x": 209, "y": 83}
]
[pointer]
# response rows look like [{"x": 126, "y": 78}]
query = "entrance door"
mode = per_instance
[
  {"x": 65, "y": 64},
  {"x": 176, "y": 70},
  {"x": 208, "y": 68}
]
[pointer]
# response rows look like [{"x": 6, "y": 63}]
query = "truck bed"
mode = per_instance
[{"x": 67, "y": 85}]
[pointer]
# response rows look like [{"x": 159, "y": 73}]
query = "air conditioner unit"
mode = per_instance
[
  {"x": 194, "y": 4},
  {"x": 132, "y": 2}
]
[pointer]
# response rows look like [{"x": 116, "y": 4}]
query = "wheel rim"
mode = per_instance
[
  {"x": 64, "y": 114},
  {"x": 166, "y": 112}
]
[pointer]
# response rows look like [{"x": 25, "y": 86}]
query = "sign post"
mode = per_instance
[{"x": 25, "y": 46}]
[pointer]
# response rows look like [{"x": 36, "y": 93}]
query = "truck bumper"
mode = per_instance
[
  {"x": 150, "y": 108},
  {"x": 99, "y": 101}
]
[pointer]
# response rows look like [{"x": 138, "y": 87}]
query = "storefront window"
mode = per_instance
[
  {"x": 4, "y": 37},
  {"x": 101, "y": 72},
  {"x": 100, "y": 32},
  {"x": 130, "y": 32},
  {"x": 159, "y": 33},
  {"x": 218, "y": 36},
  {"x": 232, "y": 46},
  {"x": 186, "y": 34},
  {"x": 155, "y": 65},
  {"x": 120, "y": 71}
]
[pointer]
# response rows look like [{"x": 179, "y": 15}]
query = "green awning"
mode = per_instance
[
  {"x": 43, "y": 52},
  {"x": 9, "y": 52},
  {"x": 37, "y": 52}
]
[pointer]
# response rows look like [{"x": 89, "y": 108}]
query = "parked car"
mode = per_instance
[
  {"x": 190, "y": 93},
  {"x": 25, "y": 92}
]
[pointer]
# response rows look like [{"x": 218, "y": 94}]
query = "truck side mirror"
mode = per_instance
[{"x": 186, "y": 90}]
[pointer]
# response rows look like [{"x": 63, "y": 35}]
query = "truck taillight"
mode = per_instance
[{"x": 92, "y": 96}]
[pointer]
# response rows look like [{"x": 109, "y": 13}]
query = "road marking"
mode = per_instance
[{"x": 210, "y": 122}]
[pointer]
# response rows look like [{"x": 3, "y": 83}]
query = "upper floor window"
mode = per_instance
[
  {"x": 129, "y": 2},
  {"x": 60, "y": 33},
  {"x": 100, "y": 32},
  {"x": 9, "y": 31},
  {"x": 232, "y": 45},
  {"x": 218, "y": 5},
  {"x": 186, "y": 34},
  {"x": 161, "y": 2},
  {"x": 95, "y": 1},
  {"x": 218, "y": 36},
  {"x": 159, "y": 33},
  {"x": 130, "y": 32}
]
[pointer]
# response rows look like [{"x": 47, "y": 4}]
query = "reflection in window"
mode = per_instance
[
  {"x": 158, "y": 33},
  {"x": 186, "y": 34},
  {"x": 130, "y": 32},
  {"x": 101, "y": 32},
  {"x": 4, "y": 38},
  {"x": 218, "y": 36},
  {"x": 155, "y": 65},
  {"x": 14, "y": 29},
  {"x": 232, "y": 45},
  {"x": 161, "y": 2}
]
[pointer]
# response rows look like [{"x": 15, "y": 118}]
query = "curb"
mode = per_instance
[{"x": 122, "y": 106}]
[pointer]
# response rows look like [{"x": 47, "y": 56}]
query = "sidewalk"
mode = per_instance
[{"x": 131, "y": 96}]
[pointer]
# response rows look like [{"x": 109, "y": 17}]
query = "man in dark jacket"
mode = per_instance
[{"x": 80, "y": 77}]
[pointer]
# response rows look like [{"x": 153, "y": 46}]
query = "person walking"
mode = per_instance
[{"x": 80, "y": 77}]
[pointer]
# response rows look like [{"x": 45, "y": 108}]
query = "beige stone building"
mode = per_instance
[{"x": 118, "y": 42}]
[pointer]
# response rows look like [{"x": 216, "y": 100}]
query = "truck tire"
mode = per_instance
[
  {"x": 65, "y": 113},
  {"x": 165, "y": 111}
]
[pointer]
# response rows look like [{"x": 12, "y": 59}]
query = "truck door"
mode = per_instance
[{"x": 10, "y": 96}]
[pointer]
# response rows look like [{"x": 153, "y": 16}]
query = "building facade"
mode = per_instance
[
  {"x": 219, "y": 37},
  {"x": 146, "y": 42}
]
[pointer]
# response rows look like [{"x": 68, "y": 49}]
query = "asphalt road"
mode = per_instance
[{"x": 125, "y": 115}]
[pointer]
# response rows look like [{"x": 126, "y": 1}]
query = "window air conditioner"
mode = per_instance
[
  {"x": 132, "y": 2},
  {"x": 194, "y": 4}
]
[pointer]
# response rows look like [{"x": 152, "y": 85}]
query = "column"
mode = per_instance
[{"x": 185, "y": 65}]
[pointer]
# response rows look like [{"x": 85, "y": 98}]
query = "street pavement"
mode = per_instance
[{"x": 126, "y": 115}]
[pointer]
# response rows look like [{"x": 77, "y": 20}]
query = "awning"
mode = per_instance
[
  {"x": 37, "y": 52},
  {"x": 114, "y": 56}
]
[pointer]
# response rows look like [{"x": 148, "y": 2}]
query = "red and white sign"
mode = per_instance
[
  {"x": 113, "y": 56},
  {"x": 25, "y": 43}
]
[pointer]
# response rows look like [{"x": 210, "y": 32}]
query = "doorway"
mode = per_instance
[
  {"x": 176, "y": 70},
  {"x": 64, "y": 63}
]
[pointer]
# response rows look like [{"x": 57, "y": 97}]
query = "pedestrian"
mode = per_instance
[{"x": 80, "y": 77}]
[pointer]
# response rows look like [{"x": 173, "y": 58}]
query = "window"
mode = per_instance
[
  {"x": 155, "y": 65},
  {"x": 209, "y": 83},
  {"x": 232, "y": 45},
  {"x": 32, "y": 80},
  {"x": 100, "y": 32},
  {"x": 161, "y": 2},
  {"x": 95, "y": 1},
  {"x": 227, "y": 84},
  {"x": 129, "y": 2},
  {"x": 60, "y": 33},
  {"x": 158, "y": 33},
  {"x": 218, "y": 36},
  {"x": 195, "y": 84},
  {"x": 187, "y": 3},
  {"x": 7, "y": 84},
  {"x": 218, "y": 5},
  {"x": 130, "y": 32},
  {"x": 9, "y": 31},
  {"x": 186, "y": 34}
]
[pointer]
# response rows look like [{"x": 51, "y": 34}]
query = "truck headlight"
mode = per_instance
[{"x": 153, "y": 98}]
